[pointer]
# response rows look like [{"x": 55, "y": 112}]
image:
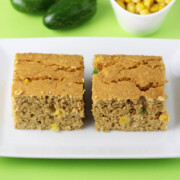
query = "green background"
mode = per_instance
[{"x": 15, "y": 25}]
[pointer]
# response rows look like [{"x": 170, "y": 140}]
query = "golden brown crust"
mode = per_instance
[
  {"x": 126, "y": 61},
  {"x": 47, "y": 88},
  {"x": 48, "y": 74},
  {"x": 62, "y": 60},
  {"x": 128, "y": 77}
]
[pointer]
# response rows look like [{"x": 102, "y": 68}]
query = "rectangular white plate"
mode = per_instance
[{"x": 88, "y": 143}]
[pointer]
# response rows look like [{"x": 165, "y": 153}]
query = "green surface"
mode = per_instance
[
  {"x": 36, "y": 169},
  {"x": 15, "y": 24}
]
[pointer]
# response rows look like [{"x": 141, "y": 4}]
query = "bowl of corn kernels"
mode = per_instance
[{"x": 141, "y": 17}]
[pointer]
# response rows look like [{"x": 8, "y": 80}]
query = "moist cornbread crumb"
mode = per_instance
[
  {"x": 128, "y": 93},
  {"x": 47, "y": 91}
]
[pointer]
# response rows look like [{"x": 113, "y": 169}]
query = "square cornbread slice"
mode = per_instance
[
  {"x": 47, "y": 91},
  {"x": 128, "y": 93}
]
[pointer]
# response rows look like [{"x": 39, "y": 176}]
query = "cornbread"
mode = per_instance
[
  {"x": 128, "y": 93},
  {"x": 47, "y": 91}
]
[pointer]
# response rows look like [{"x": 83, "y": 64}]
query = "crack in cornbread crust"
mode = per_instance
[
  {"x": 133, "y": 76},
  {"x": 143, "y": 76},
  {"x": 55, "y": 66},
  {"x": 48, "y": 91},
  {"x": 46, "y": 74},
  {"x": 127, "y": 78},
  {"x": 124, "y": 90},
  {"x": 39, "y": 71},
  {"x": 60, "y": 60},
  {"x": 126, "y": 61}
]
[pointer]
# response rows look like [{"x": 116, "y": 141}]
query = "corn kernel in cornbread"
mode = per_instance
[
  {"x": 47, "y": 91},
  {"x": 54, "y": 127},
  {"x": 128, "y": 93}
]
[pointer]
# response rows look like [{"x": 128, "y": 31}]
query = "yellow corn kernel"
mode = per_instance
[
  {"x": 120, "y": 2},
  {"x": 164, "y": 117},
  {"x": 143, "y": 6},
  {"x": 127, "y": 1},
  {"x": 54, "y": 127},
  {"x": 160, "y": 1},
  {"x": 148, "y": 3},
  {"x": 57, "y": 112},
  {"x": 154, "y": 8},
  {"x": 27, "y": 81},
  {"x": 124, "y": 120},
  {"x": 136, "y": 1},
  {"x": 131, "y": 7},
  {"x": 98, "y": 59},
  {"x": 167, "y": 1},
  {"x": 19, "y": 92},
  {"x": 161, "y": 5},
  {"x": 60, "y": 112},
  {"x": 144, "y": 12},
  {"x": 139, "y": 7}
]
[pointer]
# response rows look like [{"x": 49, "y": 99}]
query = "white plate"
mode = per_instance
[{"x": 88, "y": 143}]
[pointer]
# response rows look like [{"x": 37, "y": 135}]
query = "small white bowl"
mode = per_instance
[{"x": 140, "y": 24}]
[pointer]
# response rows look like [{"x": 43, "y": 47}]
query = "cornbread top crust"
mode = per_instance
[
  {"x": 48, "y": 75},
  {"x": 128, "y": 77}
]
